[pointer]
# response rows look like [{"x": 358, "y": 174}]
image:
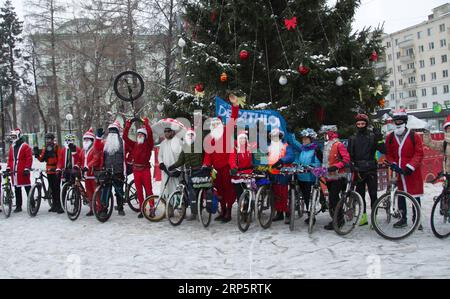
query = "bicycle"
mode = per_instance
[
  {"x": 386, "y": 208},
  {"x": 317, "y": 198},
  {"x": 203, "y": 182},
  {"x": 69, "y": 175},
  {"x": 154, "y": 206},
  {"x": 247, "y": 200},
  {"x": 347, "y": 213},
  {"x": 103, "y": 200},
  {"x": 131, "y": 197},
  {"x": 440, "y": 213},
  {"x": 265, "y": 200},
  {"x": 296, "y": 201},
  {"x": 38, "y": 191},
  {"x": 7, "y": 194},
  {"x": 75, "y": 197},
  {"x": 178, "y": 201}
]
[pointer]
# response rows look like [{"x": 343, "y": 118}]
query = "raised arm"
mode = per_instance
[
  {"x": 128, "y": 142},
  {"x": 150, "y": 141}
]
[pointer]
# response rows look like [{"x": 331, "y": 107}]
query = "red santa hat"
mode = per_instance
[
  {"x": 17, "y": 132},
  {"x": 89, "y": 134},
  {"x": 115, "y": 125},
  {"x": 142, "y": 131},
  {"x": 447, "y": 122}
]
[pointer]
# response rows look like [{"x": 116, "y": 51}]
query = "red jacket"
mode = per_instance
[
  {"x": 51, "y": 163},
  {"x": 407, "y": 154},
  {"x": 221, "y": 159},
  {"x": 241, "y": 160},
  {"x": 90, "y": 160},
  {"x": 140, "y": 153},
  {"x": 24, "y": 160},
  {"x": 63, "y": 159}
]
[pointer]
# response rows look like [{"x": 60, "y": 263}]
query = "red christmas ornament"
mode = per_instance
[
  {"x": 374, "y": 56},
  {"x": 199, "y": 87},
  {"x": 244, "y": 55},
  {"x": 290, "y": 23},
  {"x": 303, "y": 70}
]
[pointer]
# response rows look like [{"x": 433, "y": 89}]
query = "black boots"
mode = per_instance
[
  {"x": 278, "y": 216},
  {"x": 227, "y": 216}
]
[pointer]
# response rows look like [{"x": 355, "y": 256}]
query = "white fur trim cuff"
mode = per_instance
[{"x": 410, "y": 167}]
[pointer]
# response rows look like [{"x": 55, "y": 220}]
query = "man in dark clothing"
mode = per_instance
[{"x": 362, "y": 148}]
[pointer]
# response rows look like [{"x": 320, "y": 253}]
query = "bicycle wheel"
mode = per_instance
[
  {"x": 293, "y": 196},
  {"x": 34, "y": 200},
  {"x": 392, "y": 223},
  {"x": 129, "y": 86},
  {"x": 131, "y": 197},
  {"x": 73, "y": 203},
  {"x": 312, "y": 209},
  {"x": 6, "y": 201},
  {"x": 154, "y": 208},
  {"x": 64, "y": 189},
  {"x": 265, "y": 206},
  {"x": 347, "y": 213},
  {"x": 205, "y": 197},
  {"x": 245, "y": 211},
  {"x": 440, "y": 217},
  {"x": 103, "y": 203},
  {"x": 176, "y": 207}
]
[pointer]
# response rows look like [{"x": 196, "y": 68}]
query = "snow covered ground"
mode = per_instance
[{"x": 51, "y": 246}]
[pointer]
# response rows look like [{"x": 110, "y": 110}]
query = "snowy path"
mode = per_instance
[{"x": 51, "y": 246}]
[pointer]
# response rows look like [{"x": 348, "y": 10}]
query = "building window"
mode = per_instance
[
  {"x": 419, "y": 34},
  {"x": 391, "y": 83},
  {"x": 411, "y": 80},
  {"x": 396, "y": 41},
  {"x": 445, "y": 74},
  {"x": 424, "y": 105},
  {"x": 401, "y": 95},
  {"x": 421, "y": 49},
  {"x": 432, "y": 61},
  {"x": 429, "y": 31},
  {"x": 388, "y": 44},
  {"x": 433, "y": 76},
  {"x": 431, "y": 45},
  {"x": 392, "y": 96},
  {"x": 398, "y": 55},
  {"x": 442, "y": 28},
  {"x": 413, "y": 106},
  {"x": 389, "y": 57},
  {"x": 412, "y": 93},
  {"x": 410, "y": 52},
  {"x": 443, "y": 43},
  {"x": 422, "y": 64},
  {"x": 444, "y": 58},
  {"x": 410, "y": 66},
  {"x": 447, "y": 103},
  {"x": 434, "y": 91},
  {"x": 435, "y": 103},
  {"x": 445, "y": 88},
  {"x": 400, "y": 82},
  {"x": 424, "y": 92},
  {"x": 423, "y": 78},
  {"x": 399, "y": 68}
]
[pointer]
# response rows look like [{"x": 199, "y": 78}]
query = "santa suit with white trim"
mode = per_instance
[
  {"x": 401, "y": 150},
  {"x": 20, "y": 160},
  {"x": 89, "y": 161}
]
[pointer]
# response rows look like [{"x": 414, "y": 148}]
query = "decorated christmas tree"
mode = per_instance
[{"x": 299, "y": 57}]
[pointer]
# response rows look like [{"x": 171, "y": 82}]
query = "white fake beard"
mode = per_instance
[
  {"x": 447, "y": 137},
  {"x": 217, "y": 132},
  {"x": 276, "y": 146},
  {"x": 87, "y": 145},
  {"x": 399, "y": 129},
  {"x": 112, "y": 144},
  {"x": 140, "y": 140}
]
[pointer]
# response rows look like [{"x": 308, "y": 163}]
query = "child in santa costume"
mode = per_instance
[
  {"x": 404, "y": 148},
  {"x": 141, "y": 151},
  {"x": 20, "y": 160},
  {"x": 218, "y": 145},
  {"x": 280, "y": 154},
  {"x": 89, "y": 162},
  {"x": 241, "y": 162}
]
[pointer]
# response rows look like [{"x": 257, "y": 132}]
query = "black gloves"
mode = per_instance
[
  {"x": 171, "y": 168},
  {"x": 234, "y": 171},
  {"x": 277, "y": 164},
  {"x": 396, "y": 168},
  {"x": 407, "y": 171},
  {"x": 100, "y": 132},
  {"x": 36, "y": 152},
  {"x": 26, "y": 172},
  {"x": 332, "y": 169}
]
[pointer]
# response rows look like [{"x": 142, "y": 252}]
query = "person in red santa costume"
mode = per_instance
[
  {"x": 241, "y": 162},
  {"x": 19, "y": 163},
  {"x": 89, "y": 161},
  {"x": 218, "y": 145},
  {"x": 141, "y": 151},
  {"x": 404, "y": 148}
]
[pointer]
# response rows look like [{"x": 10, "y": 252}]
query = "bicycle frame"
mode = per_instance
[{"x": 392, "y": 189}]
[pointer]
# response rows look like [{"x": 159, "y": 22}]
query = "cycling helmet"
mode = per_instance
[
  {"x": 400, "y": 115},
  {"x": 49, "y": 136},
  {"x": 308, "y": 133},
  {"x": 362, "y": 117},
  {"x": 69, "y": 138}
]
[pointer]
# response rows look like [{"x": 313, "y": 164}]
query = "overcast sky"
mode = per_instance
[{"x": 396, "y": 14}]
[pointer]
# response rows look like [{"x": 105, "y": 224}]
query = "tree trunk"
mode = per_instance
[
  {"x": 36, "y": 89},
  {"x": 168, "y": 49},
  {"x": 54, "y": 77},
  {"x": 13, "y": 87}
]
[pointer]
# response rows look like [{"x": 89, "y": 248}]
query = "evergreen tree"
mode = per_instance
[
  {"x": 11, "y": 56},
  {"x": 311, "y": 54}
]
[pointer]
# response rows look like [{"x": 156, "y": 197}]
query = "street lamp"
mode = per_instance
[{"x": 69, "y": 118}]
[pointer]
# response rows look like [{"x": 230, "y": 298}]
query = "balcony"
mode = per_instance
[
  {"x": 407, "y": 58},
  {"x": 406, "y": 43},
  {"x": 408, "y": 72},
  {"x": 410, "y": 85}
]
